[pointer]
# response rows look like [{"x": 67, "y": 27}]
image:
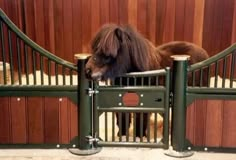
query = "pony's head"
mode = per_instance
[{"x": 117, "y": 50}]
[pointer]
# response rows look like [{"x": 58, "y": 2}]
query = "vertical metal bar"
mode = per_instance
[
  {"x": 232, "y": 68},
  {"x": 193, "y": 78},
  {"x": 148, "y": 127},
  {"x": 127, "y": 126},
  {"x": 26, "y": 64},
  {"x": 155, "y": 128},
  {"x": 141, "y": 127},
  {"x": 216, "y": 74},
  {"x": 41, "y": 70},
  {"x": 3, "y": 54},
  {"x": 63, "y": 75},
  {"x": 113, "y": 126},
  {"x": 120, "y": 81},
  {"x": 127, "y": 81},
  {"x": 208, "y": 76},
  {"x": 56, "y": 73},
  {"x": 71, "y": 77},
  {"x": 142, "y": 81},
  {"x": 149, "y": 81},
  {"x": 106, "y": 126},
  {"x": 49, "y": 72},
  {"x": 224, "y": 72},
  {"x": 10, "y": 57},
  {"x": 34, "y": 66},
  {"x": 135, "y": 81},
  {"x": 201, "y": 76},
  {"x": 19, "y": 60},
  {"x": 157, "y": 80},
  {"x": 120, "y": 126},
  {"x": 134, "y": 127}
]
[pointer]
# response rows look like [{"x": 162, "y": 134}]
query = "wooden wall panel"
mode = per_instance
[
  {"x": 63, "y": 121},
  {"x": 67, "y": 27},
  {"x": 51, "y": 120},
  {"x": 18, "y": 120},
  {"x": 35, "y": 114},
  {"x": 229, "y": 129},
  {"x": 210, "y": 123},
  {"x": 5, "y": 120}
]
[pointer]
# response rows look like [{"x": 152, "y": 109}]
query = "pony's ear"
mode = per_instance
[{"x": 119, "y": 34}]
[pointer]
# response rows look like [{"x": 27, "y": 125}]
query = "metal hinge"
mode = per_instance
[
  {"x": 91, "y": 91},
  {"x": 92, "y": 140}
]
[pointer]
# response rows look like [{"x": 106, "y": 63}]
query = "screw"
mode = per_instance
[{"x": 18, "y": 99}]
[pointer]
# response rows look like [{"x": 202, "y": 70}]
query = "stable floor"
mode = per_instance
[{"x": 106, "y": 154}]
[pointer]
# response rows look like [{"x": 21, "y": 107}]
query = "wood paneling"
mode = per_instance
[
  {"x": 67, "y": 27},
  {"x": 5, "y": 121},
  {"x": 37, "y": 120},
  {"x": 210, "y": 123}
]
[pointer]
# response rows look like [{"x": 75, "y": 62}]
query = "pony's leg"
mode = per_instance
[
  {"x": 123, "y": 123},
  {"x": 138, "y": 129}
]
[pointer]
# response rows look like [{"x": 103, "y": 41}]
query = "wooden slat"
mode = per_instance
[
  {"x": 35, "y": 114},
  {"x": 104, "y": 12},
  {"x": 59, "y": 27},
  {"x": 49, "y": 26},
  {"x": 77, "y": 26},
  {"x": 214, "y": 120},
  {"x": 133, "y": 11},
  {"x": 169, "y": 23},
  {"x": 189, "y": 20},
  {"x": 142, "y": 16},
  {"x": 5, "y": 120},
  {"x": 67, "y": 26},
  {"x": 123, "y": 12},
  {"x": 95, "y": 17},
  {"x": 63, "y": 121},
  {"x": 198, "y": 22},
  {"x": 200, "y": 122},
  {"x": 151, "y": 20},
  {"x": 86, "y": 25},
  {"x": 179, "y": 19},
  {"x": 113, "y": 11},
  {"x": 229, "y": 129},
  {"x": 18, "y": 120},
  {"x": 190, "y": 123},
  {"x": 73, "y": 118},
  {"x": 51, "y": 120}
]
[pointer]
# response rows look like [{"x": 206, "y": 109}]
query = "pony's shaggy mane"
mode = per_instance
[{"x": 124, "y": 43}]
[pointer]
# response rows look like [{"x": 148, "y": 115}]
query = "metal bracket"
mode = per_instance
[
  {"x": 90, "y": 92},
  {"x": 92, "y": 140}
]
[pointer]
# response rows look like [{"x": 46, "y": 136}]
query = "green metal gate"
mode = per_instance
[{"x": 129, "y": 110}]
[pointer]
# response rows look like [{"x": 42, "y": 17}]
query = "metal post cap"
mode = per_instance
[
  {"x": 180, "y": 57},
  {"x": 82, "y": 55}
]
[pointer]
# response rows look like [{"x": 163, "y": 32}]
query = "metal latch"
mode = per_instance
[{"x": 91, "y": 92}]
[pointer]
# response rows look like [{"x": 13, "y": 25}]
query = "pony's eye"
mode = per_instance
[
  {"x": 94, "y": 58},
  {"x": 108, "y": 59}
]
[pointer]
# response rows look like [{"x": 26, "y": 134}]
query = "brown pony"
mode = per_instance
[{"x": 120, "y": 49}]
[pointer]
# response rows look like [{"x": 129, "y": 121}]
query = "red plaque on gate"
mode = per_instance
[{"x": 130, "y": 99}]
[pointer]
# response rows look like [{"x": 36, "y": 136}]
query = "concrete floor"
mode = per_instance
[{"x": 106, "y": 154}]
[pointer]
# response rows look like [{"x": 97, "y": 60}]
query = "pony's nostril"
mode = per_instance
[{"x": 88, "y": 72}]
